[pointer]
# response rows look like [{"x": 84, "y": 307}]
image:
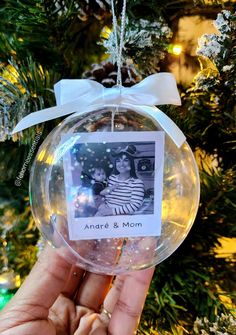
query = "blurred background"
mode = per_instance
[{"x": 43, "y": 41}]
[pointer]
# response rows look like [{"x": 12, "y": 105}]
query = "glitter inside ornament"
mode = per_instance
[{"x": 114, "y": 255}]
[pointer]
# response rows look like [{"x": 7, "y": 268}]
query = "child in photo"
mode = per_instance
[
  {"x": 89, "y": 198},
  {"x": 99, "y": 185}
]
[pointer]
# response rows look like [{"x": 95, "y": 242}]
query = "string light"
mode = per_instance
[{"x": 177, "y": 49}]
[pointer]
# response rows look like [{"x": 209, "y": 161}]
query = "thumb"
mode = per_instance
[{"x": 45, "y": 281}]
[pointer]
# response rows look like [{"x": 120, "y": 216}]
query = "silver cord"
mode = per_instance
[
  {"x": 114, "y": 23},
  {"x": 122, "y": 32}
]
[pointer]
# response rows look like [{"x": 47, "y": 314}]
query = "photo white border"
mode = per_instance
[{"x": 140, "y": 224}]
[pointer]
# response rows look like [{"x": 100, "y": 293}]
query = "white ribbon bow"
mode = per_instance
[{"x": 74, "y": 95}]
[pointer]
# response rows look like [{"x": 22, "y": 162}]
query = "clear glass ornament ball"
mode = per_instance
[{"x": 113, "y": 255}]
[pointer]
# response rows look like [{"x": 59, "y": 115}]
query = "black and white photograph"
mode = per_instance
[{"x": 113, "y": 184}]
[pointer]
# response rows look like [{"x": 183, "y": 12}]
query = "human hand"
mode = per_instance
[
  {"x": 109, "y": 189},
  {"x": 113, "y": 187},
  {"x": 104, "y": 210},
  {"x": 58, "y": 298}
]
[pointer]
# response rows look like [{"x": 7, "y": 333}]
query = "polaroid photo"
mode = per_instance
[{"x": 113, "y": 184}]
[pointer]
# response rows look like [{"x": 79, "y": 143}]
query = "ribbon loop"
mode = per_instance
[{"x": 73, "y": 95}]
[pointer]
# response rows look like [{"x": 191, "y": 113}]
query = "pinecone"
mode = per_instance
[
  {"x": 106, "y": 74},
  {"x": 96, "y": 8},
  {"x": 83, "y": 8}
]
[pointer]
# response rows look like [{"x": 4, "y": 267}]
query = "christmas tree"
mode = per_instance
[{"x": 43, "y": 41}]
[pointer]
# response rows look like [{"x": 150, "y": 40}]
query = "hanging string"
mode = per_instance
[
  {"x": 122, "y": 32},
  {"x": 114, "y": 23}
]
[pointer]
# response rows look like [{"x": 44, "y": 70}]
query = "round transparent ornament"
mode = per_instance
[{"x": 113, "y": 255}]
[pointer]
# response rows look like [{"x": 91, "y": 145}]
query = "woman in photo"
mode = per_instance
[{"x": 125, "y": 192}]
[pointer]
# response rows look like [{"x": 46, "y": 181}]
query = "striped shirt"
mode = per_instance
[{"x": 127, "y": 197}]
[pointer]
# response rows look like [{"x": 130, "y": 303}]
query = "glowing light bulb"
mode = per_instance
[{"x": 177, "y": 49}]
